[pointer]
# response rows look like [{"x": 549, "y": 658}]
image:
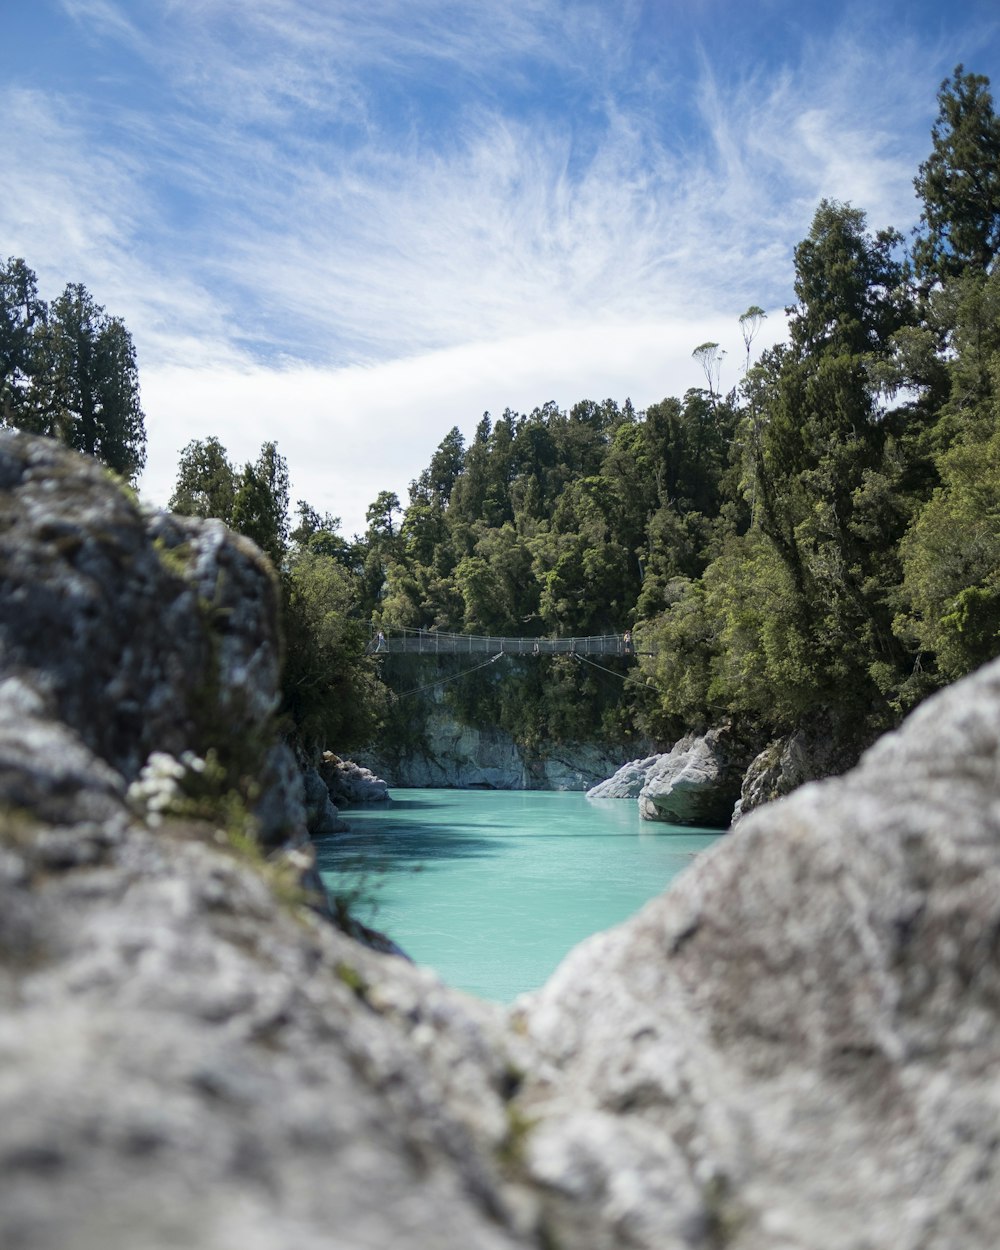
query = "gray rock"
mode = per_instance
[
  {"x": 570, "y": 766},
  {"x": 455, "y": 756},
  {"x": 796, "y": 1046},
  {"x": 141, "y": 633},
  {"x": 696, "y": 783},
  {"x": 463, "y": 757},
  {"x": 187, "y": 1061},
  {"x": 322, "y": 816},
  {"x": 349, "y": 782},
  {"x": 790, "y": 761},
  {"x": 627, "y": 782}
]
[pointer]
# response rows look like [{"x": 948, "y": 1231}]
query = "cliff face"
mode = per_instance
[
  {"x": 464, "y": 757},
  {"x": 794, "y": 1047}
]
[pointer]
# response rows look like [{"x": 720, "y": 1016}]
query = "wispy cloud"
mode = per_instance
[{"x": 338, "y": 197}]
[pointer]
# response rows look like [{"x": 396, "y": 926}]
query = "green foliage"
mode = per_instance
[
  {"x": 69, "y": 371},
  {"x": 260, "y": 507},
  {"x": 959, "y": 183},
  {"x": 206, "y": 481},
  {"x": 331, "y": 693},
  {"x": 951, "y": 558}
]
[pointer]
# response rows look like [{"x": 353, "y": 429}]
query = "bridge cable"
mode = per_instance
[
  {"x": 625, "y": 677},
  {"x": 454, "y": 677}
]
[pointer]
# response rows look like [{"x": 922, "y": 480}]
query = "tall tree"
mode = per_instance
[
  {"x": 959, "y": 183},
  {"x": 206, "y": 481},
  {"x": 93, "y": 382},
  {"x": 22, "y": 313},
  {"x": 260, "y": 509}
]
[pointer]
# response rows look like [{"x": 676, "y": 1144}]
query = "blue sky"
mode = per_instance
[{"x": 348, "y": 225}]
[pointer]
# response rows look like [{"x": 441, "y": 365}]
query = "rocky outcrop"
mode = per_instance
[
  {"x": 790, "y": 761},
  {"x": 137, "y": 633},
  {"x": 627, "y": 782},
  {"x": 696, "y": 783},
  {"x": 463, "y": 757},
  {"x": 347, "y": 782}
]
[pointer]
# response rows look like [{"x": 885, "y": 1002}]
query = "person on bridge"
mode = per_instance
[{"x": 380, "y": 643}]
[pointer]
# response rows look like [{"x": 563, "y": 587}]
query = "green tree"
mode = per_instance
[
  {"x": 331, "y": 692},
  {"x": 260, "y": 508},
  {"x": 92, "y": 383},
  {"x": 22, "y": 314},
  {"x": 206, "y": 481},
  {"x": 959, "y": 183}
]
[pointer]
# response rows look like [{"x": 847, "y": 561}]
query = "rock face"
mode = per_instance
[
  {"x": 627, "y": 782},
  {"x": 135, "y": 633},
  {"x": 791, "y": 761},
  {"x": 696, "y": 783},
  {"x": 463, "y": 757},
  {"x": 795, "y": 1048}
]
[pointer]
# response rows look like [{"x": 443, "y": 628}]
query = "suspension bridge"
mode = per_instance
[{"x": 437, "y": 642}]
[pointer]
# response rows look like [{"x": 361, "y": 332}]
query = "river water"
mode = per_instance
[{"x": 491, "y": 888}]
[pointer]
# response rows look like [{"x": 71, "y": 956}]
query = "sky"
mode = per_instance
[{"x": 349, "y": 225}]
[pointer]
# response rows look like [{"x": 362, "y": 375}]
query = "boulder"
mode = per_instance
[
  {"x": 347, "y": 782},
  {"x": 627, "y": 782},
  {"x": 137, "y": 632},
  {"x": 797, "y": 1044},
  {"x": 696, "y": 783}
]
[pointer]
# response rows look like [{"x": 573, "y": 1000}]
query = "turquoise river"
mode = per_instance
[{"x": 491, "y": 888}]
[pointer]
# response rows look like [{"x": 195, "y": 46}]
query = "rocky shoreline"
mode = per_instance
[{"x": 793, "y": 1049}]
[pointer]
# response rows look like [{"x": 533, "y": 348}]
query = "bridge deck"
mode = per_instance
[{"x": 434, "y": 642}]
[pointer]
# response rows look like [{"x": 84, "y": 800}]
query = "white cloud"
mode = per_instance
[{"x": 348, "y": 434}]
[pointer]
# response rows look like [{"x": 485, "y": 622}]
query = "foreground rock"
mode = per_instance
[
  {"x": 797, "y": 1045},
  {"x": 138, "y": 633},
  {"x": 794, "y": 1049}
]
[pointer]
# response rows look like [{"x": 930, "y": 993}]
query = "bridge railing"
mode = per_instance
[{"x": 436, "y": 642}]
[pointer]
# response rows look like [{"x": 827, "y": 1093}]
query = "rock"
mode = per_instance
[
  {"x": 455, "y": 756},
  {"x": 322, "y": 816},
  {"x": 138, "y": 633},
  {"x": 189, "y": 1062},
  {"x": 696, "y": 783},
  {"x": 627, "y": 782},
  {"x": 571, "y": 766},
  {"x": 463, "y": 757},
  {"x": 348, "y": 782},
  {"x": 795, "y": 1046},
  {"x": 790, "y": 761}
]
